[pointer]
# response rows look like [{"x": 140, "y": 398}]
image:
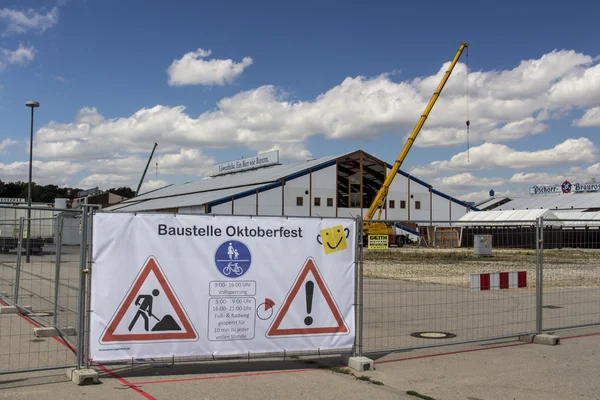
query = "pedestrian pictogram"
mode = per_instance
[
  {"x": 309, "y": 308},
  {"x": 150, "y": 311}
]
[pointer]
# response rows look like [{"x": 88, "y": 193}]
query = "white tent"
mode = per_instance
[
  {"x": 579, "y": 218},
  {"x": 508, "y": 217}
]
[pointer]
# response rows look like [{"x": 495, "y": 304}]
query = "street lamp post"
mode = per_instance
[{"x": 32, "y": 105}]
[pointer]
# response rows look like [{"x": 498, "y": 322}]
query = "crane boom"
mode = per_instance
[
  {"x": 145, "y": 169},
  {"x": 383, "y": 192}
]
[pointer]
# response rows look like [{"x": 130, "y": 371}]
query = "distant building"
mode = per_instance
[
  {"x": 337, "y": 186},
  {"x": 104, "y": 199},
  {"x": 567, "y": 196}
]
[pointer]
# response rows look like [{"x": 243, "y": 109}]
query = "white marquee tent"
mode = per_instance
[{"x": 508, "y": 217}]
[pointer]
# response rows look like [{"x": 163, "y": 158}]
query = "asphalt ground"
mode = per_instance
[{"x": 505, "y": 369}]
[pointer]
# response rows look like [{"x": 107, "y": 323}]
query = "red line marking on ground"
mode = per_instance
[
  {"x": 450, "y": 353},
  {"x": 481, "y": 349},
  {"x": 126, "y": 383},
  {"x": 206, "y": 378},
  {"x": 580, "y": 336},
  {"x": 111, "y": 373}
]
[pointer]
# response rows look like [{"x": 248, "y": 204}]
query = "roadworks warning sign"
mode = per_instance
[{"x": 150, "y": 311}]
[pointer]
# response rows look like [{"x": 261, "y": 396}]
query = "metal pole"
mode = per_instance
[
  {"x": 29, "y": 188},
  {"x": 59, "y": 233},
  {"x": 538, "y": 305},
  {"x": 82, "y": 274},
  {"x": 361, "y": 289},
  {"x": 88, "y": 290},
  {"x": 18, "y": 267},
  {"x": 356, "y": 235},
  {"x": 540, "y": 301}
]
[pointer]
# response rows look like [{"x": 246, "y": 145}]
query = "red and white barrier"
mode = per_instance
[{"x": 499, "y": 280}]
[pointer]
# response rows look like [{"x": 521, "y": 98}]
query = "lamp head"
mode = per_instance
[{"x": 32, "y": 104}]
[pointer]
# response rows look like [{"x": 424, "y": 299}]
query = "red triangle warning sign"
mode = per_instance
[
  {"x": 309, "y": 308},
  {"x": 149, "y": 312}
]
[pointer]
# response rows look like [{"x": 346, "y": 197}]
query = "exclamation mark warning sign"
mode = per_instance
[
  {"x": 310, "y": 286},
  {"x": 309, "y": 308}
]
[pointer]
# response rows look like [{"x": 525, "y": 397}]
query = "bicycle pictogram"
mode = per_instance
[{"x": 233, "y": 267}]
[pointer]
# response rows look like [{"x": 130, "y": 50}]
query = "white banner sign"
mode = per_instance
[
  {"x": 261, "y": 160},
  {"x": 192, "y": 285}
]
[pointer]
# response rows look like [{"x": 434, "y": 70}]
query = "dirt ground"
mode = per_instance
[{"x": 562, "y": 268}]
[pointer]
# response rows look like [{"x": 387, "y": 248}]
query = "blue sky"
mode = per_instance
[{"x": 212, "y": 82}]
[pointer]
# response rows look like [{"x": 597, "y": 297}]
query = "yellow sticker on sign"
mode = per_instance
[
  {"x": 334, "y": 239},
  {"x": 378, "y": 242}
]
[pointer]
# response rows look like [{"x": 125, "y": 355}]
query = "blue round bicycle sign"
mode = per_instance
[{"x": 233, "y": 258}]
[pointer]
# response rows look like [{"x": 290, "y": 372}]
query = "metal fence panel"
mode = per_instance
[
  {"x": 43, "y": 286},
  {"x": 571, "y": 274},
  {"x": 426, "y": 294}
]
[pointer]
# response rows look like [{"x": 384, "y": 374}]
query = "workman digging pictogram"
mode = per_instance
[
  {"x": 149, "y": 312},
  {"x": 144, "y": 302}
]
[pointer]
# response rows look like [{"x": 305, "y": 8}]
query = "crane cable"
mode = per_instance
[{"x": 468, "y": 121}]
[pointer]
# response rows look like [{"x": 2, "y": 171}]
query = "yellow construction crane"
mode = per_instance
[{"x": 381, "y": 228}]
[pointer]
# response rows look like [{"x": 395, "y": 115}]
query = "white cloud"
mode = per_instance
[
  {"x": 43, "y": 173},
  {"x": 593, "y": 171},
  {"x": 288, "y": 151},
  {"x": 89, "y": 115},
  {"x": 22, "y": 21},
  {"x": 497, "y": 156},
  {"x": 581, "y": 88},
  {"x": 189, "y": 162},
  {"x": 591, "y": 118},
  {"x": 517, "y": 130},
  {"x": 192, "y": 69},
  {"x": 539, "y": 178},
  {"x": 483, "y": 195},
  {"x": 127, "y": 170},
  {"x": 22, "y": 55},
  {"x": 466, "y": 180},
  {"x": 359, "y": 107},
  {"x": 6, "y": 143},
  {"x": 152, "y": 185}
]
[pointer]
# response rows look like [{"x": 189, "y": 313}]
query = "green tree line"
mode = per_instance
[{"x": 47, "y": 194}]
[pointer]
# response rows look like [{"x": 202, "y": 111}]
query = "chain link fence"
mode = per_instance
[
  {"x": 442, "y": 283},
  {"x": 571, "y": 273},
  {"x": 40, "y": 289},
  {"x": 443, "y": 288}
]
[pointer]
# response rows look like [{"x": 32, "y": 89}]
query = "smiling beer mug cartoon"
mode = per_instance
[{"x": 333, "y": 239}]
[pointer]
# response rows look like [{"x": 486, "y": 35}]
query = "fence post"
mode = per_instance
[
  {"x": 82, "y": 280},
  {"x": 360, "y": 287},
  {"x": 59, "y": 233},
  {"x": 18, "y": 266},
  {"x": 539, "y": 280},
  {"x": 88, "y": 286}
]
